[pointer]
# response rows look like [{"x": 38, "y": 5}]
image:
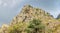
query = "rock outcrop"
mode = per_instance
[{"x": 29, "y": 13}]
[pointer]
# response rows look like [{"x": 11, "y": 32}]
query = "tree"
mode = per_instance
[{"x": 36, "y": 27}]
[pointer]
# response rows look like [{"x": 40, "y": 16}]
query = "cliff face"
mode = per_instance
[{"x": 29, "y": 13}]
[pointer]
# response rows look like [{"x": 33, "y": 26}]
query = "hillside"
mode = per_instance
[
  {"x": 58, "y": 17},
  {"x": 28, "y": 13},
  {"x": 33, "y": 20}
]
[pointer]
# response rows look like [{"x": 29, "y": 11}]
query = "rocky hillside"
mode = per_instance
[{"x": 29, "y": 13}]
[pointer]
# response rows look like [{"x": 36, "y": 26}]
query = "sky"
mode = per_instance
[{"x": 10, "y": 8}]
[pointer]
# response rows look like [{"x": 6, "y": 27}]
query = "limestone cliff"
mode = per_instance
[{"x": 29, "y": 13}]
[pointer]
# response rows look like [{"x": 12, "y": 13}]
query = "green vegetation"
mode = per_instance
[
  {"x": 17, "y": 28},
  {"x": 33, "y": 20},
  {"x": 34, "y": 26}
]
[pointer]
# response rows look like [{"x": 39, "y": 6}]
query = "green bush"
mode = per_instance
[{"x": 35, "y": 27}]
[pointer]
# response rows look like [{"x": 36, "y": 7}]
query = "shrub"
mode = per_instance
[{"x": 35, "y": 27}]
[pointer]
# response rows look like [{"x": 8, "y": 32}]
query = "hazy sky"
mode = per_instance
[{"x": 10, "y": 8}]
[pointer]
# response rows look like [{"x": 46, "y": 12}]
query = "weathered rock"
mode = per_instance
[
  {"x": 29, "y": 13},
  {"x": 4, "y": 28}
]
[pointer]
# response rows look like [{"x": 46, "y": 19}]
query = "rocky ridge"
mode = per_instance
[{"x": 29, "y": 13}]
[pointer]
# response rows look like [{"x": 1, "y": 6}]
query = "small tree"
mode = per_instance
[{"x": 35, "y": 27}]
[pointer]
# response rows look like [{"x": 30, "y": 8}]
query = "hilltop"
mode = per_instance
[{"x": 41, "y": 21}]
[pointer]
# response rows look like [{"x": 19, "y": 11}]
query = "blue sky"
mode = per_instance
[{"x": 10, "y": 8}]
